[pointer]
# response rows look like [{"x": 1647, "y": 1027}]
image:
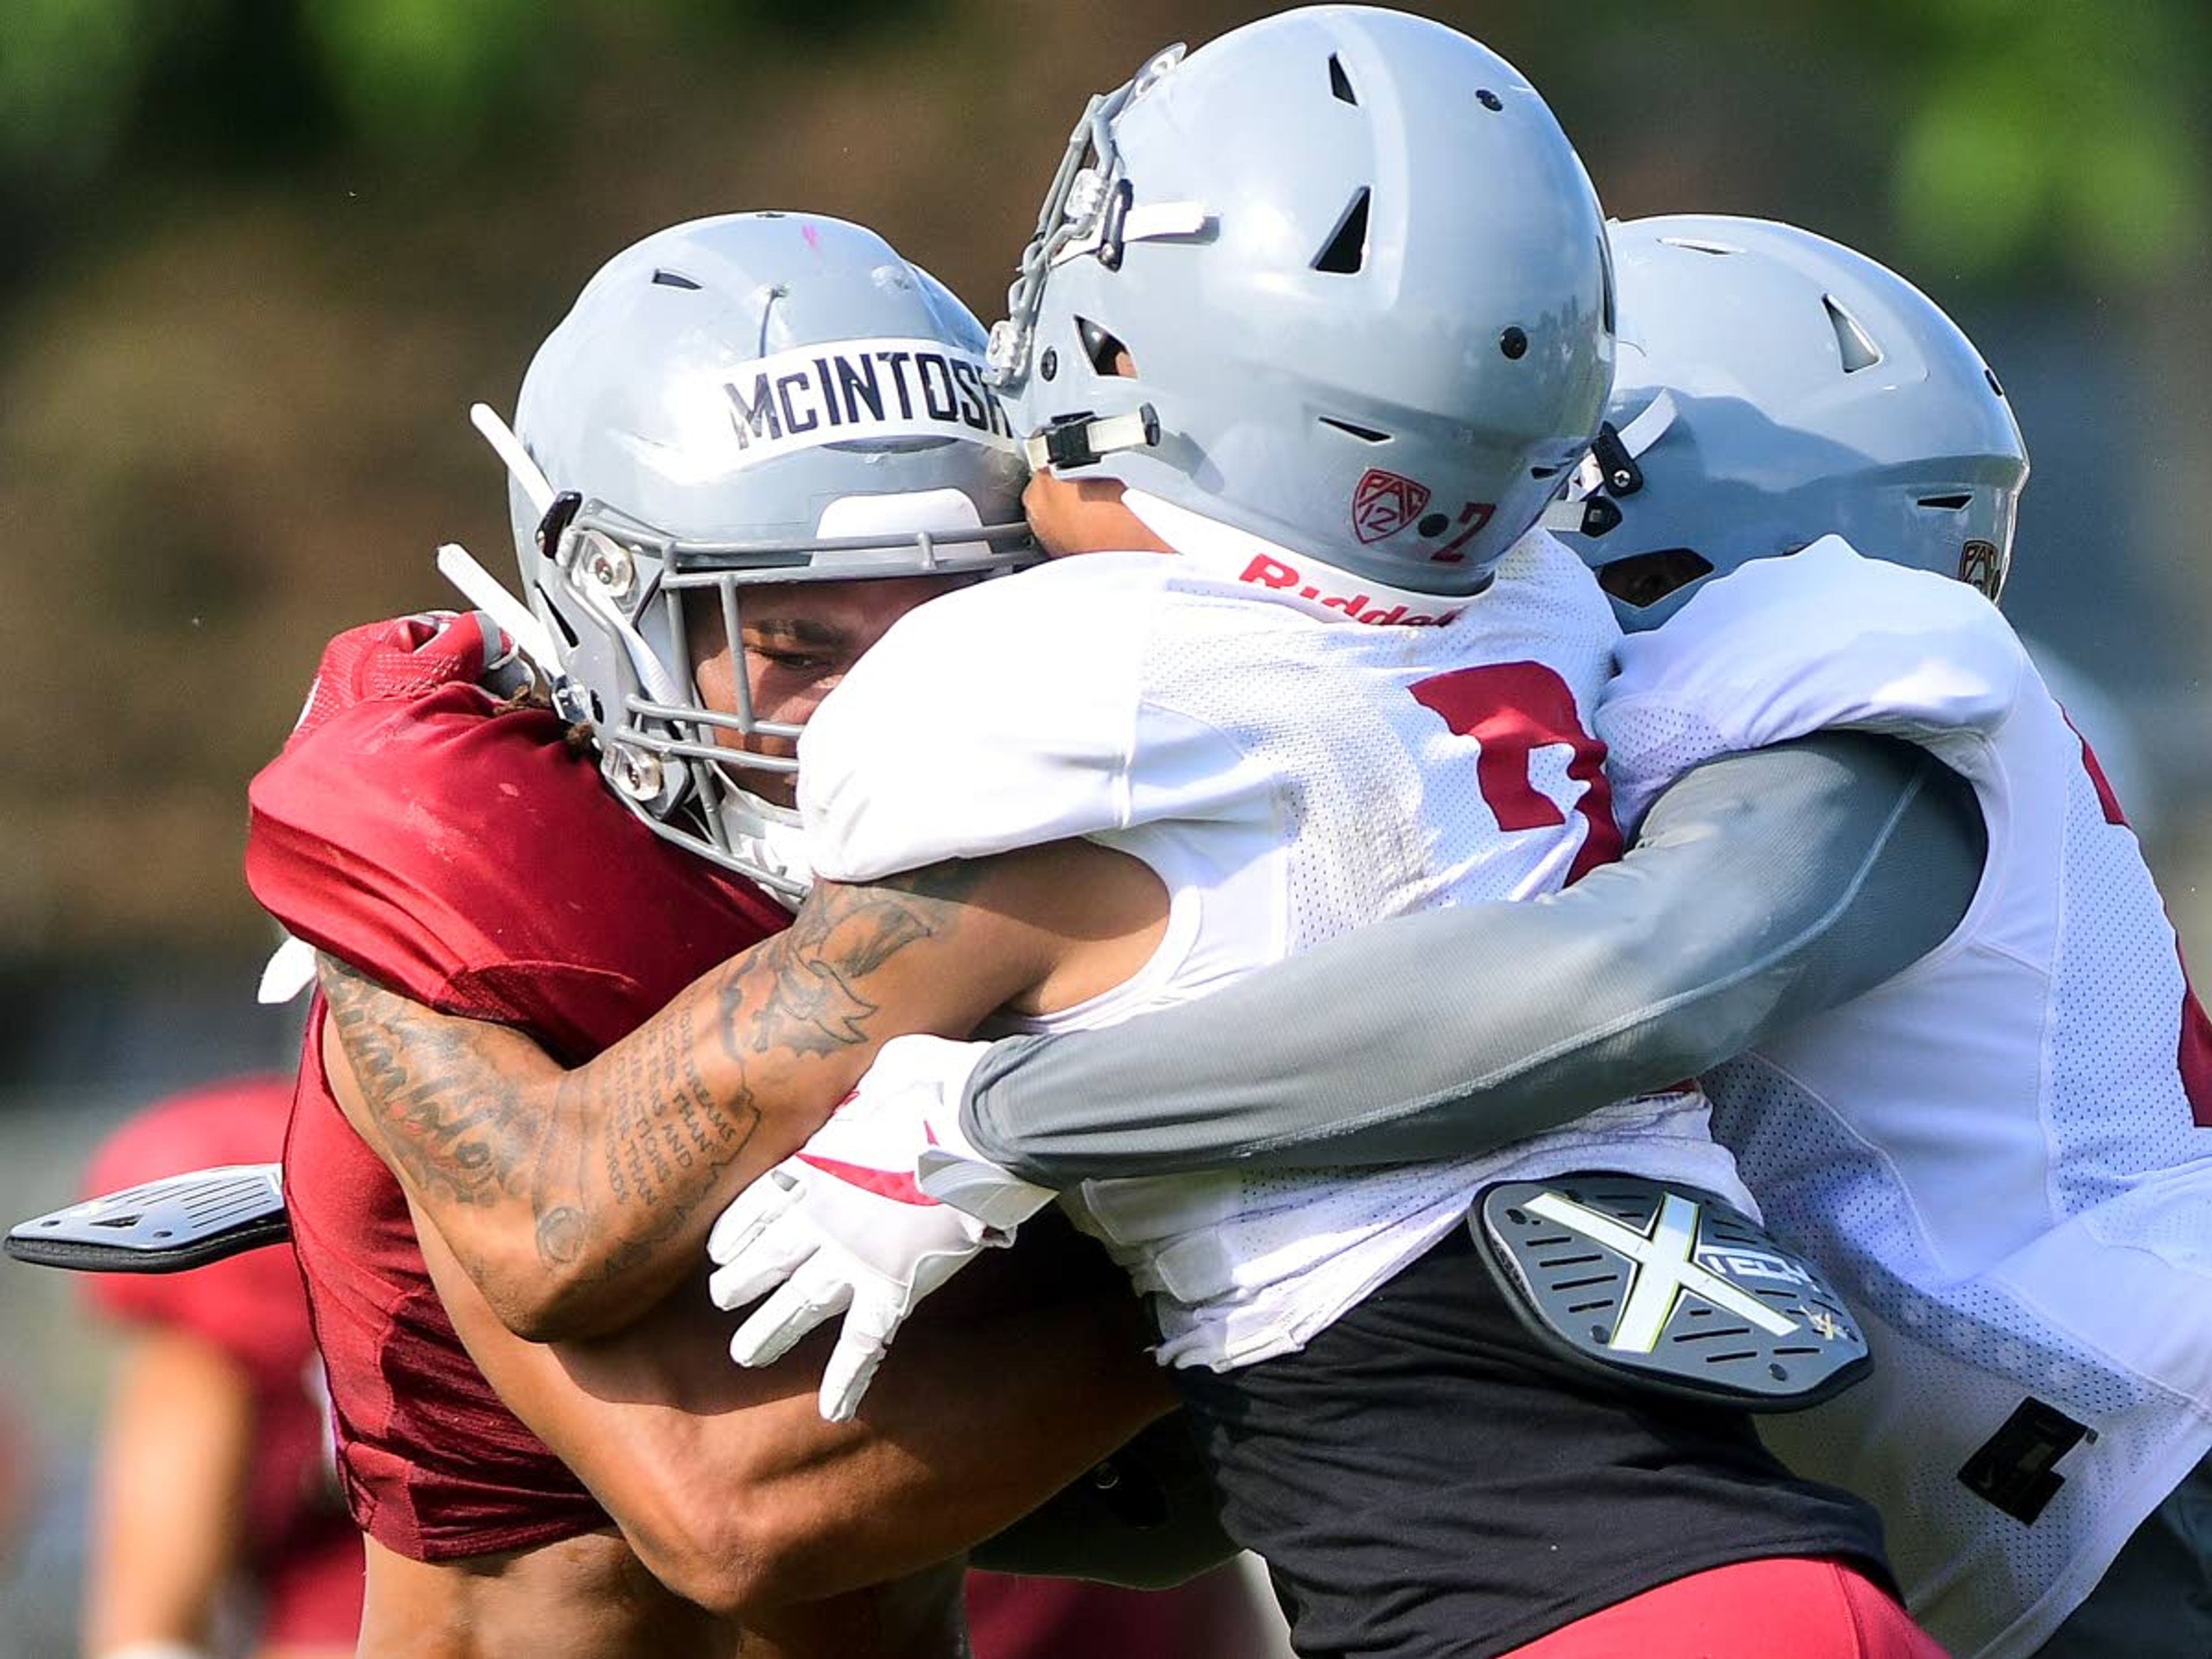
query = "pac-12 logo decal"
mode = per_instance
[
  {"x": 1981, "y": 565},
  {"x": 1382, "y": 504}
]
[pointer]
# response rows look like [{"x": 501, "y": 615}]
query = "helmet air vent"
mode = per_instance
[
  {"x": 1857, "y": 346},
  {"x": 1366, "y": 434},
  {"x": 1347, "y": 250},
  {"x": 666, "y": 278},
  {"x": 1339, "y": 83},
  {"x": 1944, "y": 503},
  {"x": 1102, "y": 348}
]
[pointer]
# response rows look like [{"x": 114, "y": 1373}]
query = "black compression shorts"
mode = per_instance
[{"x": 1424, "y": 1481}]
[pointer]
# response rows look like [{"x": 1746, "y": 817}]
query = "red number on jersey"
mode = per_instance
[
  {"x": 2196, "y": 1055},
  {"x": 1512, "y": 709}
]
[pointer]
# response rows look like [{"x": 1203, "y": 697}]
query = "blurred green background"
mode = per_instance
[{"x": 259, "y": 256}]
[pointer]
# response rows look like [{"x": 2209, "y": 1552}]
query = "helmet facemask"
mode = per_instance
[
  {"x": 698, "y": 774},
  {"x": 1086, "y": 213},
  {"x": 744, "y": 401}
]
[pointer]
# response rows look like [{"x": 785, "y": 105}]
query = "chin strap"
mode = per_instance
[
  {"x": 290, "y": 970},
  {"x": 1118, "y": 220},
  {"x": 484, "y": 591},
  {"x": 524, "y": 471},
  {"x": 1572, "y": 515},
  {"x": 1609, "y": 472},
  {"x": 1084, "y": 440},
  {"x": 477, "y": 585}
]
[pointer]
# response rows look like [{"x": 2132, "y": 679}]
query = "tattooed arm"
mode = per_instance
[
  {"x": 574, "y": 1200},
  {"x": 738, "y": 1496}
]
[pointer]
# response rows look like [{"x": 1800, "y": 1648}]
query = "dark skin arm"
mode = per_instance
[
  {"x": 726, "y": 1482},
  {"x": 573, "y": 1200},
  {"x": 737, "y": 1495}
]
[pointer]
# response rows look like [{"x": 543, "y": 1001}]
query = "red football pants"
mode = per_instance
[{"x": 1787, "y": 1607}]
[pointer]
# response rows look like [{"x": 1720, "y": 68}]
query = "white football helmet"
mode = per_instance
[
  {"x": 1363, "y": 280},
  {"x": 754, "y": 398},
  {"x": 1775, "y": 387}
]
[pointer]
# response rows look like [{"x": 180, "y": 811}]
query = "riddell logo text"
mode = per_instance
[{"x": 1264, "y": 572}]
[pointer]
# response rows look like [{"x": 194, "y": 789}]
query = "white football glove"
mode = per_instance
[{"x": 885, "y": 1203}]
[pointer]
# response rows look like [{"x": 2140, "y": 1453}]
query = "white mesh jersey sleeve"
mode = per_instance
[
  {"x": 1003, "y": 715},
  {"x": 1290, "y": 773},
  {"x": 1822, "y": 639},
  {"x": 1364, "y": 771}
]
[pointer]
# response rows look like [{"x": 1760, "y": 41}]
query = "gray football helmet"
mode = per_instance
[
  {"x": 1362, "y": 279},
  {"x": 1773, "y": 388},
  {"x": 754, "y": 398}
]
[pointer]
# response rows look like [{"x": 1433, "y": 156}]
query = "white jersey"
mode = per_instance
[
  {"x": 1289, "y": 774},
  {"x": 2001, "y": 1156}
]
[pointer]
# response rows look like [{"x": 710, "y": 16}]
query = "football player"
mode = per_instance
[
  {"x": 216, "y": 1498},
  {"x": 1119, "y": 781},
  {"x": 2002, "y": 1155},
  {"x": 469, "y": 853}
]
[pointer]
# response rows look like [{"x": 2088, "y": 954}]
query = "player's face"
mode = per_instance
[{"x": 799, "y": 639}]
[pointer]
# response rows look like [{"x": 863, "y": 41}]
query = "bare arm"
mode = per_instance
[
  {"x": 573, "y": 1200},
  {"x": 173, "y": 1472},
  {"x": 738, "y": 1496}
]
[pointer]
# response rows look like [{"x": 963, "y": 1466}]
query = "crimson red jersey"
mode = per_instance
[
  {"x": 1212, "y": 1617},
  {"x": 301, "y": 1555},
  {"x": 464, "y": 856}
]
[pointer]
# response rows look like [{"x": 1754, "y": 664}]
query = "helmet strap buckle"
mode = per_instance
[
  {"x": 1112, "y": 227},
  {"x": 1084, "y": 438},
  {"x": 556, "y": 522},
  {"x": 1616, "y": 466},
  {"x": 1591, "y": 515}
]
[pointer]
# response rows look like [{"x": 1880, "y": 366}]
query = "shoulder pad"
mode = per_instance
[{"x": 1820, "y": 640}]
